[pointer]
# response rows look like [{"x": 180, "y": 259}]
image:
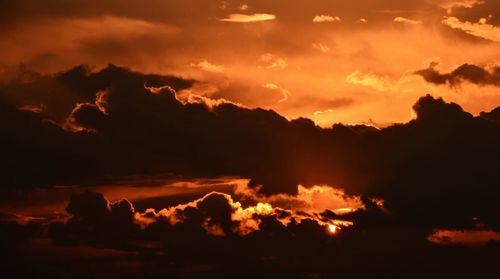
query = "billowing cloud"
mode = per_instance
[
  {"x": 480, "y": 29},
  {"x": 243, "y": 18},
  {"x": 126, "y": 128}
]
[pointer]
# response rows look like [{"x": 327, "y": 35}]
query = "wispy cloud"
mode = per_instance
[
  {"x": 321, "y": 47},
  {"x": 284, "y": 92},
  {"x": 369, "y": 80},
  {"x": 479, "y": 29},
  {"x": 404, "y": 20},
  {"x": 209, "y": 67},
  {"x": 271, "y": 61},
  {"x": 449, "y": 5}
]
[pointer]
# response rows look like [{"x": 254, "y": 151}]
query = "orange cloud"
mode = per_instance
[
  {"x": 404, "y": 20},
  {"x": 284, "y": 92},
  {"x": 326, "y": 18},
  {"x": 369, "y": 80},
  {"x": 479, "y": 29},
  {"x": 271, "y": 61},
  {"x": 467, "y": 237},
  {"x": 209, "y": 67},
  {"x": 244, "y": 220},
  {"x": 242, "y": 18},
  {"x": 449, "y": 5}
]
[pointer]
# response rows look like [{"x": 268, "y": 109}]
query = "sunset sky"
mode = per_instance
[
  {"x": 197, "y": 138},
  {"x": 330, "y": 61}
]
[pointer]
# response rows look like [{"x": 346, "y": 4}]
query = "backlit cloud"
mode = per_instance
[{"x": 480, "y": 29}]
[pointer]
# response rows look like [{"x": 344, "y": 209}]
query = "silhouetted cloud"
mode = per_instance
[
  {"x": 445, "y": 156},
  {"x": 464, "y": 73},
  {"x": 219, "y": 232}
]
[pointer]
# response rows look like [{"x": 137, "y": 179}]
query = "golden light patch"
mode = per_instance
[{"x": 332, "y": 229}]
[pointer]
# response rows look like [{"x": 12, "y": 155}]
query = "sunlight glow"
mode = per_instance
[{"x": 332, "y": 229}]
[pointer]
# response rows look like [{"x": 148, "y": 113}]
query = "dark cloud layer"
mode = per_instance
[
  {"x": 465, "y": 73},
  {"x": 198, "y": 240},
  {"x": 438, "y": 170}
]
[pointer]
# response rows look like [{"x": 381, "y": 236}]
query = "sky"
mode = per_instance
[
  {"x": 221, "y": 139},
  {"x": 330, "y": 61}
]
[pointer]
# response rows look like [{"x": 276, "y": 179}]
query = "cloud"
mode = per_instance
[
  {"x": 320, "y": 112},
  {"x": 479, "y": 29},
  {"x": 450, "y": 5},
  {"x": 242, "y": 18},
  {"x": 243, "y": 7},
  {"x": 114, "y": 224},
  {"x": 470, "y": 237},
  {"x": 326, "y": 18},
  {"x": 273, "y": 86},
  {"x": 464, "y": 73},
  {"x": 135, "y": 125},
  {"x": 271, "y": 61},
  {"x": 209, "y": 67},
  {"x": 321, "y": 47},
  {"x": 370, "y": 80},
  {"x": 404, "y": 20}
]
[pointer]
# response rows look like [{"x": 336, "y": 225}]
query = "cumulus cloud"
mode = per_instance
[
  {"x": 464, "y": 73},
  {"x": 131, "y": 124},
  {"x": 243, "y": 18},
  {"x": 97, "y": 221}
]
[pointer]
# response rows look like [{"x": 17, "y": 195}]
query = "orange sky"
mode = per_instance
[{"x": 330, "y": 61}]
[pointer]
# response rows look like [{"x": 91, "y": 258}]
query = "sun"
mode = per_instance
[{"x": 332, "y": 228}]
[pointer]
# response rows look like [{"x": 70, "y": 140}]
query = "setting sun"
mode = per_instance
[
  {"x": 255, "y": 138},
  {"x": 332, "y": 229}
]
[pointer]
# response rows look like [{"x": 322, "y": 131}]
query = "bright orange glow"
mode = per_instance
[{"x": 332, "y": 228}]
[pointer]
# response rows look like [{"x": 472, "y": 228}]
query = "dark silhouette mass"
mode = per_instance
[{"x": 438, "y": 171}]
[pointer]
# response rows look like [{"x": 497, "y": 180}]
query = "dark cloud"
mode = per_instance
[
  {"x": 185, "y": 241},
  {"x": 465, "y": 73},
  {"x": 438, "y": 170},
  {"x": 59, "y": 93}
]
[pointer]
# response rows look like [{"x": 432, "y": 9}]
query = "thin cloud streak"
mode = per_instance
[{"x": 243, "y": 18}]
